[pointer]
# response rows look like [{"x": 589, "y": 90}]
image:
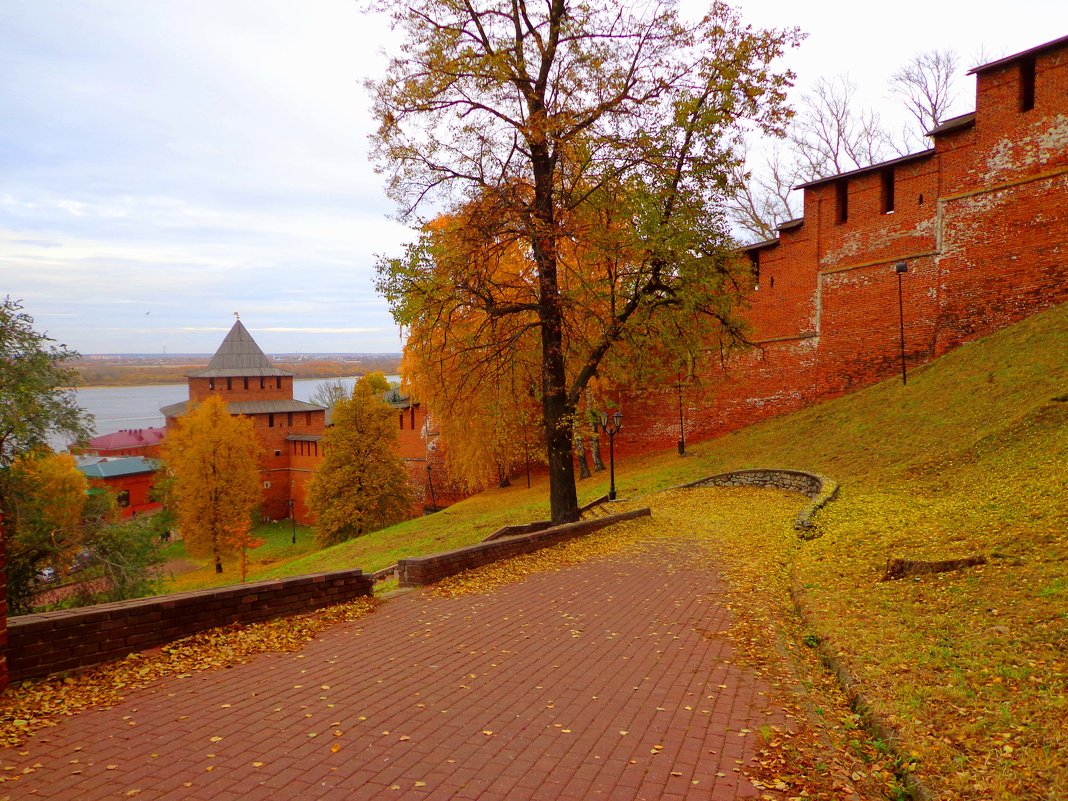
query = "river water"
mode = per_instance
[{"x": 116, "y": 408}]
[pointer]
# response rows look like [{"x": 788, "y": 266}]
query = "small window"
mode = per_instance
[
  {"x": 307, "y": 418},
  {"x": 270, "y": 421},
  {"x": 263, "y": 382},
  {"x": 211, "y": 383},
  {"x": 771, "y": 283},
  {"x": 277, "y": 453},
  {"x": 278, "y": 382},
  {"x": 289, "y": 419},
  {"x": 841, "y": 197},
  {"x": 246, "y": 383},
  {"x": 754, "y": 265},
  {"x": 123, "y": 499},
  {"x": 229, "y": 383},
  {"x": 920, "y": 201},
  {"x": 1027, "y": 84},
  {"x": 402, "y": 421},
  {"x": 887, "y": 177}
]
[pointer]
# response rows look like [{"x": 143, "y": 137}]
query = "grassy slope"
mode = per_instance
[
  {"x": 956, "y": 413},
  {"x": 970, "y": 458}
]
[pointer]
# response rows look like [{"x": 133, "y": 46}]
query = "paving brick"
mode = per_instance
[{"x": 555, "y": 667}]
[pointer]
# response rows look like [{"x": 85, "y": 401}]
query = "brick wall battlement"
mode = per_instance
[{"x": 978, "y": 221}]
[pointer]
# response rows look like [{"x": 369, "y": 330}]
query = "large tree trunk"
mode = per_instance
[
  {"x": 559, "y": 418},
  {"x": 559, "y": 413}
]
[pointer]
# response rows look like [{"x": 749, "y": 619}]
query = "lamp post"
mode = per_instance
[
  {"x": 901, "y": 268},
  {"x": 682, "y": 426},
  {"x": 611, "y": 426},
  {"x": 293, "y": 520},
  {"x": 430, "y": 484}
]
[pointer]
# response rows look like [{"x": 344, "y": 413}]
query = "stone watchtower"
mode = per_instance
[{"x": 251, "y": 385}]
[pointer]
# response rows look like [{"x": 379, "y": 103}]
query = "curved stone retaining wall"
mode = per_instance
[{"x": 819, "y": 488}]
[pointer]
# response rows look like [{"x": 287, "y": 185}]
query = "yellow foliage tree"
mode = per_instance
[
  {"x": 361, "y": 484},
  {"x": 49, "y": 516},
  {"x": 214, "y": 460}
]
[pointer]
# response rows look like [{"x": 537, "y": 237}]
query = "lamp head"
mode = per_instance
[{"x": 901, "y": 267}]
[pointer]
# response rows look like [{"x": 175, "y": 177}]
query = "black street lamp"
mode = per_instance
[
  {"x": 293, "y": 520},
  {"x": 611, "y": 426},
  {"x": 430, "y": 484},
  {"x": 901, "y": 268},
  {"x": 682, "y": 426}
]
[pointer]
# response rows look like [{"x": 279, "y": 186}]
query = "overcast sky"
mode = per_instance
[{"x": 165, "y": 164}]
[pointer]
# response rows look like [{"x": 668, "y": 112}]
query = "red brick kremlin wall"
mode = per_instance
[{"x": 981, "y": 222}]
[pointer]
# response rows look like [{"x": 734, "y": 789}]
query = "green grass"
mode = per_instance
[
  {"x": 277, "y": 548},
  {"x": 971, "y": 457}
]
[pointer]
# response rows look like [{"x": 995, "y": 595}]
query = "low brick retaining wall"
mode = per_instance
[
  {"x": 538, "y": 525},
  {"x": 50, "y": 642},
  {"x": 819, "y": 488},
  {"x": 420, "y": 570}
]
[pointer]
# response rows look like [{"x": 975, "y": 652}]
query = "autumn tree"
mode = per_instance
[
  {"x": 35, "y": 396},
  {"x": 328, "y": 393},
  {"x": 927, "y": 87},
  {"x": 360, "y": 485},
  {"x": 532, "y": 124},
  {"x": 834, "y": 133},
  {"x": 50, "y": 518},
  {"x": 214, "y": 461},
  {"x": 35, "y": 403},
  {"x": 377, "y": 382}
]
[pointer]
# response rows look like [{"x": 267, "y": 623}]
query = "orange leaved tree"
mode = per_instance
[
  {"x": 361, "y": 484},
  {"x": 214, "y": 461},
  {"x": 530, "y": 122}
]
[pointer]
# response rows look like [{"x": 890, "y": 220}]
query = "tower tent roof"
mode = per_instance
[{"x": 239, "y": 355}]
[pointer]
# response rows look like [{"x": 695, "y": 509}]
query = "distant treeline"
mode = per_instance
[{"x": 129, "y": 373}]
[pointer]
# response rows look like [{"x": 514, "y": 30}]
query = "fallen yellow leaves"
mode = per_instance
[{"x": 31, "y": 705}]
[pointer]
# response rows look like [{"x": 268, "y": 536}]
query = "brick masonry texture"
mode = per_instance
[
  {"x": 979, "y": 221},
  {"x": 422, "y": 570},
  {"x": 608, "y": 680},
  {"x": 51, "y": 642}
]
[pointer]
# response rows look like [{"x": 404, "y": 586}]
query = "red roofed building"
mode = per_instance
[
  {"x": 127, "y": 442},
  {"x": 128, "y": 478}
]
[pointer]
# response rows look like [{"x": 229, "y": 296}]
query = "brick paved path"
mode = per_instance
[{"x": 607, "y": 680}]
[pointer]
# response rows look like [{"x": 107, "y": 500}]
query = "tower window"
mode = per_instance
[
  {"x": 278, "y": 382},
  {"x": 263, "y": 382},
  {"x": 246, "y": 382},
  {"x": 841, "y": 198},
  {"x": 1027, "y": 84},
  {"x": 229, "y": 383},
  {"x": 887, "y": 177}
]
